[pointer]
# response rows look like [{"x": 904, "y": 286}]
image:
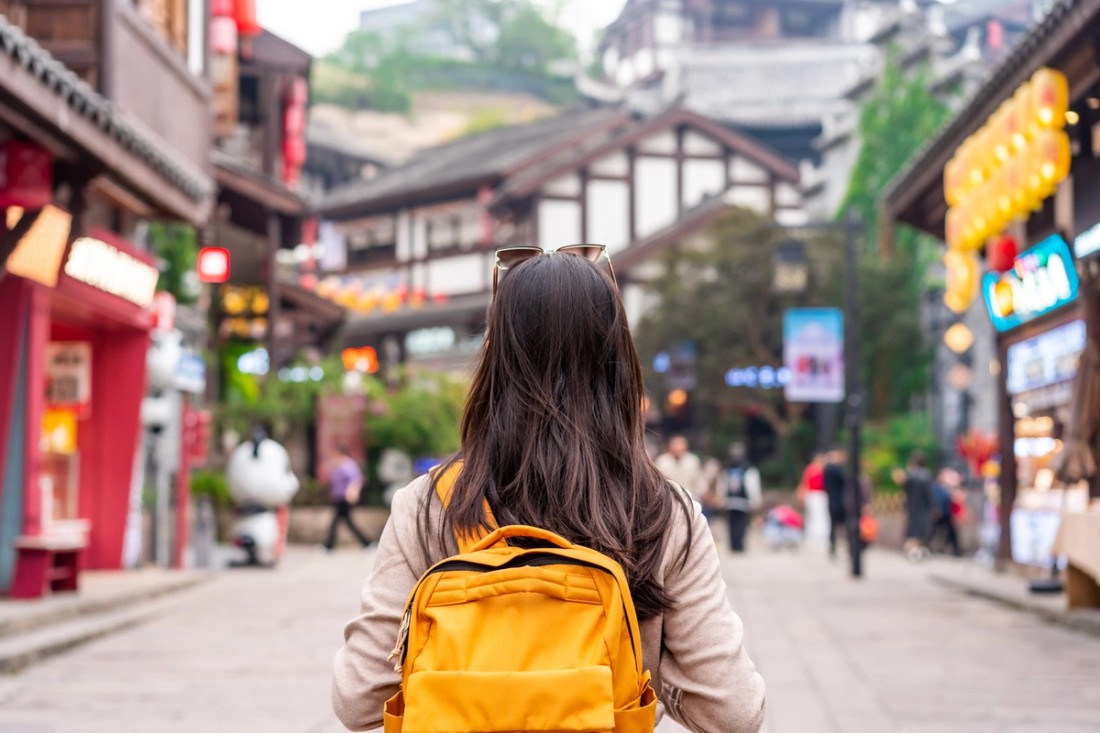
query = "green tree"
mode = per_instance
[
  {"x": 717, "y": 292},
  {"x": 176, "y": 246},
  {"x": 895, "y": 121}
]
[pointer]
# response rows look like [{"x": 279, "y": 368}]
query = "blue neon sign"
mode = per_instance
[{"x": 1042, "y": 280}]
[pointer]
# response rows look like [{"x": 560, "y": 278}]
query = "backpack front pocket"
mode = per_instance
[{"x": 575, "y": 700}]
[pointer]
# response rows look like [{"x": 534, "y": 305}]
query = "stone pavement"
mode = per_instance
[{"x": 250, "y": 652}]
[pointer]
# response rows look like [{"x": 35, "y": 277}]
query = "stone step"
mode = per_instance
[
  {"x": 18, "y": 651},
  {"x": 20, "y": 617}
]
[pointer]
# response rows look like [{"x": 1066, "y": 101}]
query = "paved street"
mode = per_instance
[{"x": 250, "y": 651}]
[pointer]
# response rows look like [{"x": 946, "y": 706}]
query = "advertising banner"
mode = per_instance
[{"x": 813, "y": 352}]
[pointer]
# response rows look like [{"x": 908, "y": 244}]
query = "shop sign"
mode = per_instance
[
  {"x": 1008, "y": 168},
  {"x": 38, "y": 255},
  {"x": 191, "y": 374},
  {"x": 105, "y": 267},
  {"x": 813, "y": 352},
  {"x": 69, "y": 374},
  {"x": 429, "y": 341},
  {"x": 766, "y": 377},
  {"x": 26, "y": 175},
  {"x": 1087, "y": 242},
  {"x": 1042, "y": 280},
  {"x": 1050, "y": 358}
]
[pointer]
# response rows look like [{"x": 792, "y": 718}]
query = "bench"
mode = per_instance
[{"x": 48, "y": 562}]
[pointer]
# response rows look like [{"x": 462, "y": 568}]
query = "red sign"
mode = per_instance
[
  {"x": 196, "y": 435},
  {"x": 213, "y": 266},
  {"x": 26, "y": 175}
]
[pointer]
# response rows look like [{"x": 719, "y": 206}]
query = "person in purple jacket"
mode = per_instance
[{"x": 345, "y": 482}]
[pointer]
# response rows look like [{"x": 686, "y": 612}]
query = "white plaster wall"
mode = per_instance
[
  {"x": 698, "y": 144},
  {"x": 419, "y": 276},
  {"x": 567, "y": 185},
  {"x": 456, "y": 275},
  {"x": 655, "y": 188},
  {"x": 664, "y": 142},
  {"x": 615, "y": 164},
  {"x": 643, "y": 63},
  {"x": 608, "y": 214},
  {"x": 702, "y": 178},
  {"x": 756, "y": 198},
  {"x": 668, "y": 28},
  {"x": 787, "y": 195},
  {"x": 559, "y": 223},
  {"x": 743, "y": 170}
]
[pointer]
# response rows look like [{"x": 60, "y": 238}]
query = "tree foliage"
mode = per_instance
[
  {"x": 176, "y": 246},
  {"x": 508, "y": 45},
  {"x": 895, "y": 121},
  {"x": 717, "y": 292}
]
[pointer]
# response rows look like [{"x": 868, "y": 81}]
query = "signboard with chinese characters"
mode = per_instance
[
  {"x": 1043, "y": 280},
  {"x": 1048, "y": 359},
  {"x": 69, "y": 374},
  {"x": 813, "y": 352},
  {"x": 106, "y": 267}
]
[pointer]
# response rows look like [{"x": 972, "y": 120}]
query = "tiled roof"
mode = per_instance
[
  {"x": 86, "y": 102},
  {"x": 475, "y": 158}
]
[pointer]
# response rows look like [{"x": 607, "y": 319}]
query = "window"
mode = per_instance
[
  {"x": 800, "y": 22},
  {"x": 371, "y": 241},
  {"x": 733, "y": 15}
]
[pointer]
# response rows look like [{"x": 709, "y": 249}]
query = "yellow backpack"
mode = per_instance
[{"x": 504, "y": 639}]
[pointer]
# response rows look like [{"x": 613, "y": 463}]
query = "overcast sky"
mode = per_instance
[{"x": 319, "y": 26}]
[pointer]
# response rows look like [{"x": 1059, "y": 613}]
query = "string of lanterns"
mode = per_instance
[
  {"x": 1003, "y": 172},
  {"x": 365, "y": 296}
]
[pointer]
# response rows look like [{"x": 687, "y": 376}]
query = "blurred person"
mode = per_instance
[
  {"x": 835, "y": 480},
  {"x": 345, "y": 484},
  {"x": 553, "y": 438},
  {"x": 682, "y": 467},
  {"x": 944, "y": 510},
  {"x": 811, "y": 495},
  {"x": 918, "y": 505},
  {"x": 742, "y": 493}
]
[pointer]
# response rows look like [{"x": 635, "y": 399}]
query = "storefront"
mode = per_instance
[
  {"x": 1012, "y": 186},
  {"x": 79, "y": 349}
]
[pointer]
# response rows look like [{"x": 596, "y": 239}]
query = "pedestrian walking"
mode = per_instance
[
  {"x": 743, "y": 495},
  {"x": 944, "y": 510},
  {"x": 835, "y": 481},
  {"x": 345, "y": 483},
  {"x": 682, "y": 467},
  {"x": 918, "y": 505},
  {"x": 553, "y": 447},
  {"x": 811, "y": 495}
]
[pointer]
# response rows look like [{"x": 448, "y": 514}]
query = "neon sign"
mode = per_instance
[
  {"x": 107, "y": 268},
  {"x": 1042, "y": 280}
]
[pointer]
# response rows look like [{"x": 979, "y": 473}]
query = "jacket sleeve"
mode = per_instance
[
  {"x": 363, "y": 678},
  {"x": 708, "y": 682}
]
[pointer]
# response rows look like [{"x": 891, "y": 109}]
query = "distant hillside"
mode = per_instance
[{"x": 433, "y": 118}]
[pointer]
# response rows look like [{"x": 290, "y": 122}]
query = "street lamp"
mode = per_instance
[{"x": 791, "y": 274}]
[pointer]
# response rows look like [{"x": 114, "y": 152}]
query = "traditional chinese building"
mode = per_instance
[{"x": 419, "y": 239}]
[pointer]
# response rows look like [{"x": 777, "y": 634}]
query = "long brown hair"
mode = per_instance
[{"x": 553, "y": 430}]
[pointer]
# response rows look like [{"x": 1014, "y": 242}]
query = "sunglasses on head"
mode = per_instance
[{"x": 508, "y": 257}]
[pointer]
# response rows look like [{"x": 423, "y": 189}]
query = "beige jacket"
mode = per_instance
[{"x": 701, "y": 672}]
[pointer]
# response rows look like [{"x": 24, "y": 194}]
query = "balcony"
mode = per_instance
[{"x": 135, "y": 53}]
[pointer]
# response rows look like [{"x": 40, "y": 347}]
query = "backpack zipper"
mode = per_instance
[{"x": 523, "y": 561}]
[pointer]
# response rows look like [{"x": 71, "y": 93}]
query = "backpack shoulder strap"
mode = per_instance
[{"x": 444, "y": 485}]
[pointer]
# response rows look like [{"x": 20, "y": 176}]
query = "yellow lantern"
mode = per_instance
[
  {"x": 391, "y": 302},
  {"x": 1016, "y": 183},
  {"x": 1054, "y": 153},
  {"x": 1002, "y": 126},
  {"x": 1051, "y": 98},
  {"x": 953, "y": 228},
  {"x": 962, "y": 279},
  {"x": 951, "y": 190},
  {"x": 1022, "y": 113},
  {"x": 1005, "y": 206}
]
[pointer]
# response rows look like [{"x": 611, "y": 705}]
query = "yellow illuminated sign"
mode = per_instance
[{"x": 1011, "y": 165}]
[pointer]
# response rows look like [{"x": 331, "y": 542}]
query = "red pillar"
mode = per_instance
[{"x": 38, "y": 334}]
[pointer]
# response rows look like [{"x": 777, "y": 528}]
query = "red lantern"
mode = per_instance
[
  {"x": 223, "y": 36},
  {"x": 248, "y": 23},
  {"x": 297, "y": 92},
  {"x": 1001, "y": 253},
  {"x": 439, "y": 298},
  {"x": 294, "y": 151},
  {"x": 26, "y": 175},
  {"x": 222, "y": 9}
]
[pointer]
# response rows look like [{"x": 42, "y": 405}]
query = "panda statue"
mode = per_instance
[{"x": 261, "y": 484}]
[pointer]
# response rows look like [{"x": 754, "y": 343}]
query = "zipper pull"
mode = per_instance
[{"x": 397, "y": 656}]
